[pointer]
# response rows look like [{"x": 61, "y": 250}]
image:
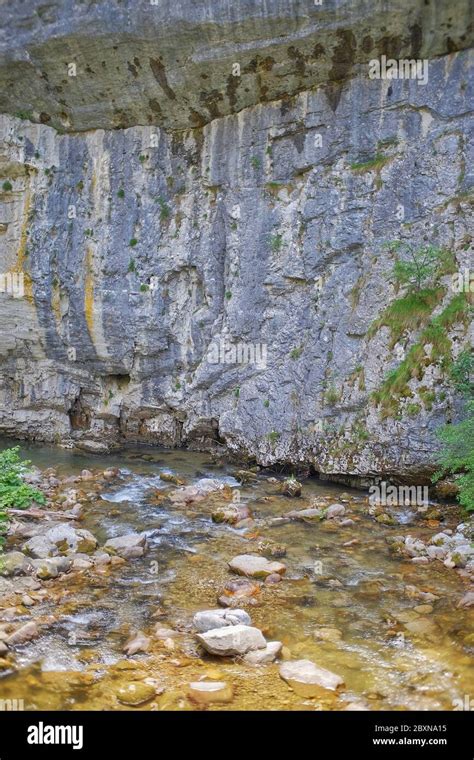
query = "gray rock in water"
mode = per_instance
[
  {"x": 40, "y": 547},
  {"x": 196, "y": 492},
  {"x": 232, "y": 640},
  {"x": 211, "y": 619},
  {"x": 131, "y": 546},
  {"x": 67, "y": 538},
  {"x": 51, "y": 567},
  {"x": 304, "y": 514},
  {"x": 254, "y": 566},
  {"x": 23, "y": 634},
  {"x": 14, "y": 563},
  {"x": 262, "y": 656},
  {"x": 307, "y": 679},
  {"x": 335, "y": 510},
  {"x": 206, "y": 692}
]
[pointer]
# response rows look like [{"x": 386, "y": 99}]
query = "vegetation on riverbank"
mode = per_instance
[
  {"x": 14, "y": 492},
  {"x": 457, "y": 455}
]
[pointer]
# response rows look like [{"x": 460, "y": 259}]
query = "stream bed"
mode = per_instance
[{"x": 347, "y": 601}]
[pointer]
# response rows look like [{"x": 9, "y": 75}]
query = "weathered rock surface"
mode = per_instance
[
  {"x": 131, "y": 546},
  {"x": 307, "y": 679},
  {"x": 22, "y": 635},
  {"x": 232, "y": 640},
  {"x": 205, "y": 692},
  {"x": 14, "y": 563},
  {"x": 254, "y": 566},
  {"x": 182, "y": 212},
  {"x": 262, "y": 656},
  {"x": 207, "y": 620}
]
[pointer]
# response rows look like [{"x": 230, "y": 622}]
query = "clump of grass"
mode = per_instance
[
  {"x": 256, "y": 162},
  {"x": 133, "y": 242},
  {"x": 164, "y": 209},
  {"x": 273, "y": 436},
  {"x": 413, "y": 410},
  {"x": 7, "y": 186},
  {"x": 296, "y": 352},
  {"x": 228, "y": 294},
  {"x": 121, "y": 193},
  {"x": 132, "y": 267},
  {"x": 332, "y": 395},
  {"x": 407, "y": 313},
  {"x": 144, "y": 288},
  {"x": 395, "y": 385},
  {"x": 373, "y": 164},
  {"x": 276, "y": 242}
]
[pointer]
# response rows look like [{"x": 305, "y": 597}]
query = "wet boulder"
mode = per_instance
[
  {"x": 232, "y": 640},
  {"x": 253, "y": 566},
  {"x": 262, "y": 656},
  {"x": 14, "y": 563},
  {"x": 50, "y": 567},
  {"x": 196, "y": 492},
  {"x": 22, "y": 635},
  {"x": 206, "y": 692},
  {"x": 307, "y": 679},
  {"x": 40, "y": 547},
  {"x": 130, "y": 546},
  {"x": 211, "y": 619},
  {"x": 66, "y": 538},
  {"x": 290, "y": 487}
]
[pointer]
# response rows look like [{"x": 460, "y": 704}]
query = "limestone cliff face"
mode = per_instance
[{"x": 250, "y": 214}]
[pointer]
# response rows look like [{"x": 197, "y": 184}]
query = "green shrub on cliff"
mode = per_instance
[{"x": 14, "y": 492}]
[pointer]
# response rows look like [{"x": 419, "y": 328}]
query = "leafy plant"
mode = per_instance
[
  {"x": 419, "y": 268},
  {"x": 7, "y": 186},
  {"x": 256, "y": 162},
  {"x": 164, "y": 209},
  {"x": 276, "y": 242},
  {"x": 14, "y": 492},
  {"x": 458, "y": 456},
  {"x": 462, "y": 373}
]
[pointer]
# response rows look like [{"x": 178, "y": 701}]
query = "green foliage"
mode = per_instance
[
  {"x": 395, "y": 385},
  {"x": 132, "y": 267},
  {"x": 462, "y": 373},
  {"x": 164, "y": 209},
  {"x": 407, "y": 313},
  {"x": 266, "y": 403},
  {"x": 273, "y": 436},
  {"x": 276, "y": 242},
  {"x": 228, "y": 294},
  {"x": 24, "y": 115},
  {"x": 133, "y": 242},
  {"x": 295, "y": 353},
  {"x": 419, "y": 268},
  {"x": 144, "y": 288},
  {"x": 332, "y": 396},
  {"x": 256, "y": 162},
  {"x": 14, "y": 492},
  {"x": 373, "y": 164},
  {"x": 121, "y": 193},
  {"x": 7, "y": 186},
  {"x": 458, "y": 456}
]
